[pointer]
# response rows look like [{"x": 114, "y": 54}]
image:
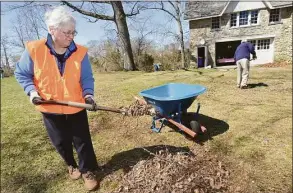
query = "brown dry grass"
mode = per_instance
[
  {"x": 257, "y": 145},
  {"x": 251, "y": 131}
]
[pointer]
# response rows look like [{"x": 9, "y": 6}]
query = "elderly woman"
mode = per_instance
[{"x": 56, "y": 68}]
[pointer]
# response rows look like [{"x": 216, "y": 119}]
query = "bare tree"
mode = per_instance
[
  {"x": 19, "y": 33},
  {"x": 142, "y": 30},
  {"x": 35, "y": 21},
  {"x": 175, "y": 10},
  {"x": 118, "y": 17},
  {"x": 4, "y": 49},
  {"x": 28, "y": 25}
]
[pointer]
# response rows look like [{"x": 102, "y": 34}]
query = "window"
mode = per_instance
[
  {"x": 233, "y": 21},
  {"x": 263, "y": 44},
  {"x": 215, "y": 22},
  {"x": 243, "y": 18},
  {"x": 253, "y": 17},
  {"x": 274, "y": 15}
]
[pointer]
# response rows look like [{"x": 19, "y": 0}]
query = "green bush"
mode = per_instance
[
  {"x": 170, "y": 60},
  {"x": 8, "y": 71},
  {"x": 145, "y": 62},
  {"x": 111, "y": 61}
]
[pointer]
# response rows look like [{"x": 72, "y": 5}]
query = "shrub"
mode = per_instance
[
  {"x": 145, "y": 62},
  {"x": 8, "y": 71},
  {"x": 110, "y": 61},
  {"x": 170, "y": 60}
]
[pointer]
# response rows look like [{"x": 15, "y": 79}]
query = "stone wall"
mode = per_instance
[{"x": 201, "y": 29}]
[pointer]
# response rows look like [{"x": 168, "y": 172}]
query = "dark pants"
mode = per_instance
[{"x": 64, "y": 130}]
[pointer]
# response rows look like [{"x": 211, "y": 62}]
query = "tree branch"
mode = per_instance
[
  {"x": 107, "y": 2},
  {"x": 162, "y": 8},
  {"x": 172, "y": 5},
  {"x": 132, "y": 13},
  {"x": 87, "y": 13}
]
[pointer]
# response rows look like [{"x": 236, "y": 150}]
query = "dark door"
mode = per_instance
[{"x": 201, "y": 57}]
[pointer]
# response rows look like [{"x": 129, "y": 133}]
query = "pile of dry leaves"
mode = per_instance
[
  {"x": 175, "y": 173},
  {"x": 275, "y": 64},
  {"x": 138, "y": 108}
]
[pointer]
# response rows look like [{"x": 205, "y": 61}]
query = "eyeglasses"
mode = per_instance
[{"x": 74, "y": 33}]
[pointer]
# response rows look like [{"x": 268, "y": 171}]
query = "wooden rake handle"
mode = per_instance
[{"x": 83, "y": 105}]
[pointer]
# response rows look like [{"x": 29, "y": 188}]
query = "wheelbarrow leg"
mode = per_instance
[
  {"x": 197, "y": 111},
  {"x": 157, "y": 129},
  {"x": 195, "y": 125}
]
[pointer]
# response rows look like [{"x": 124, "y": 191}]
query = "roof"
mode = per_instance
[
  {"x": 200, "y": 9},
  {"x": 276, "y": 4},
  {"x": 206, "y": 9}
]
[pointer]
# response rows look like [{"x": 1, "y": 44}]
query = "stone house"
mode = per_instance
[{"x": 217, "y": 28}]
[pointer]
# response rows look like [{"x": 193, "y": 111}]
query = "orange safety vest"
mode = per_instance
[{"x": 48, "y": 81}]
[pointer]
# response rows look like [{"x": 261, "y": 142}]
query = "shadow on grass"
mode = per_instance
[
  {"x": 127, "y": 159},
  {"x": 26, "y": 178},
  {"x": 214, "y": 127},
  {"x": 257, "y": 85},
  {"x": 22, "y": 181}
]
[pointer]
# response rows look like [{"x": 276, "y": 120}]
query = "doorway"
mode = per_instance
[
  {"x": 201, "y": 57},
  {"x": 225, "y": 52}
]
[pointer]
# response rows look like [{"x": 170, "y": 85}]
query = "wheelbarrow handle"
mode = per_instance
[
  {"x": 82, "y": 105},
  {"x": 183, "y": 128}
]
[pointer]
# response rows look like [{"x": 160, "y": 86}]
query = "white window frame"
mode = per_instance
[
  {"x": 219, "y": 23},
  {"x": 249, "y": 19},
  {"x": 265, "y": 45},
  {"x": 236, "y": 20},
  {"x": 257, "y": 21},
  {"x": 257, "y": 41},
  {"x": 272, "y": 22}
]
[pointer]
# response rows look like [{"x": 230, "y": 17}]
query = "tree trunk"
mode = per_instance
[
  {"x": 6, "y": 56},
  {"x": 123, "y": 33},
  {"x": 181, "y": 39},
  {"x": 183, "y": 59}
]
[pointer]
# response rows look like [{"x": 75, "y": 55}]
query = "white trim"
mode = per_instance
[
  {"x": 281, "y": 6},
  {"x": 268, "y": 4},
  {"x": 225, "y": 8},
  {"x": 245, "y": 37},
  {"x": 203, "y": 18}
]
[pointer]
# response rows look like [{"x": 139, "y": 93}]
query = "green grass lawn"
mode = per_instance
[{"x": 252, "y": 131}]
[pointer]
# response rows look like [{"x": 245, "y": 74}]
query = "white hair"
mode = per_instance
[
  {"x": 244, "y": 40},
  {"x": 58, "y": 16}
]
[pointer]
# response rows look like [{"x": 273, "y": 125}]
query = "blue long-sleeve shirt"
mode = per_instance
[
  {"x": 244, "y": 50},
  {"x": 24, "y": 69}
]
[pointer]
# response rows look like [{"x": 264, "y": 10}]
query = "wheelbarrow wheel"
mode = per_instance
[{"x": 195, "y": 126}]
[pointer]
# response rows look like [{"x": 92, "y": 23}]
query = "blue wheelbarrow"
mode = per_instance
[{"x": 171, "y": 101}]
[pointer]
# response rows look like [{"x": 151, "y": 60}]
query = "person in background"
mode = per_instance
[
  {"x": 56, "y": 68},
  {"x": 156, "y": 67},
  {"x": 242, "y": 58}
]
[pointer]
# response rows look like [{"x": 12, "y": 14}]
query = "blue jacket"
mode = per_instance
[
  {"x": 244, "y": 50},
  {"x": 24, "y": 69}
]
